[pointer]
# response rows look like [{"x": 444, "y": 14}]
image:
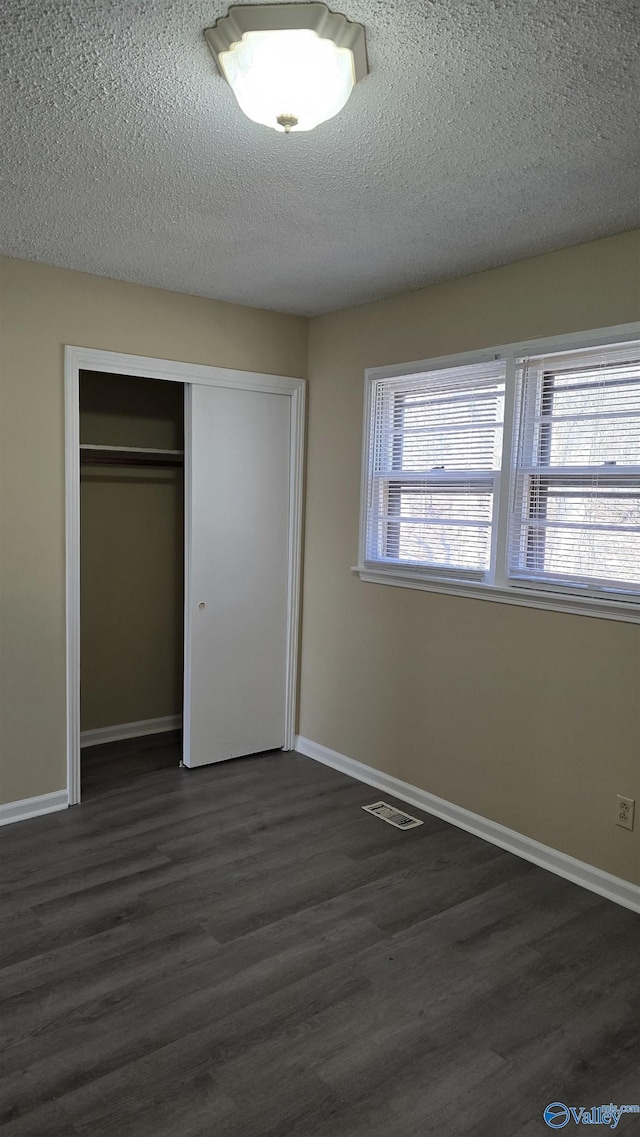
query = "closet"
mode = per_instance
[
  {"x": 183, "y": 539},
  {"x": 131, "y": 565}
]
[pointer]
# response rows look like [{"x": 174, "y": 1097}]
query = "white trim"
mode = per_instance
[
  {"x": 622, "y": 892},
  {"x": 33, "y": 807},
  {"x": 365, "y": 464},
  {"x": 296, "y": 482},
  {"x": 72, "y": 559},
  {"x": 101, "y": 734},
  {"x": 147, "y": 367},
  {"x": 521, "y": 596},
  {"x": 502, "y": 494},
  {"x": 117, "y": 363}
]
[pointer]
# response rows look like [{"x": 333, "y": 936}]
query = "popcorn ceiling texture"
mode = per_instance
[{"x": 487, "y": 131}]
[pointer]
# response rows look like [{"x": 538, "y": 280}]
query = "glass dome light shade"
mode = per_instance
[{"x": 290, "y": 74}]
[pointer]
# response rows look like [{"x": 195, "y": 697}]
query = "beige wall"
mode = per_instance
[
  {"x": 42, "y": 309},
  {"x": 131, "y": 616},
  {"x": 132, "y": 555},
  {"x": 527, "y": 717}
]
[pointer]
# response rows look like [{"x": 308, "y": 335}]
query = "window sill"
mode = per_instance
[{"x": 521, "y": 595}]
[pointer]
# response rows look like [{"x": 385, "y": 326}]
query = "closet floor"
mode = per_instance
[
  {"x": 114, "y": 764},
  {"x": 242, "y": 951}
]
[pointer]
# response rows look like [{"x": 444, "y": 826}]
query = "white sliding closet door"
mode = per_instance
[{"x": 237, "y": 500}]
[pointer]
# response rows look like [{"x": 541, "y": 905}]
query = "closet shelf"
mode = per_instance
[{"x": 94, "y": 455}]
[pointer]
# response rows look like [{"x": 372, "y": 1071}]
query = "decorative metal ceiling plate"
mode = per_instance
[{"x": 318, "y": 18}]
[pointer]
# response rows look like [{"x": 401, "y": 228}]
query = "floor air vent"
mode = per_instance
[{"x": 394, "y": 816}]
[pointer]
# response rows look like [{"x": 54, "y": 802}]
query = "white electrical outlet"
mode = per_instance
[{"x": 625, "y": 809}]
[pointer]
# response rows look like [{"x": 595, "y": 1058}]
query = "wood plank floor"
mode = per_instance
[{"x": 241, "y": 951}]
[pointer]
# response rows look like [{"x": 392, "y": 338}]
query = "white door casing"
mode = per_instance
[{"x": 77, "y": 359}]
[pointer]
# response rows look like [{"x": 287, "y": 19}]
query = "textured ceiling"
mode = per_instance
[{"x": 487, "y": 131}]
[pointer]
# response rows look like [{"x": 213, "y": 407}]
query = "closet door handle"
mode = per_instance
[{"x": 201, "y": 605}]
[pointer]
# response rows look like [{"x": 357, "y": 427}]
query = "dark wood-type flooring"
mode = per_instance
[{"x": 241, "y": 951}]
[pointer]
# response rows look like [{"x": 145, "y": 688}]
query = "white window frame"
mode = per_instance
[{"x": 497, "y": 586}]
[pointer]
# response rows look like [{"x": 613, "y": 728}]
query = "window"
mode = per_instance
[
  {"x": 435, "y": 456},
  {"x": 576, "y": 516},
  {"x": 541, "y": 507}
]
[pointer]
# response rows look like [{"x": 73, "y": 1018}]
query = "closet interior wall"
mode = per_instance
[{"x": 132, "y": 551}]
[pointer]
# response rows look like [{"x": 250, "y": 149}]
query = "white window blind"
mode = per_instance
[
  {"x": 575, "y": 519},
  {"x": 434, "y": 453}
]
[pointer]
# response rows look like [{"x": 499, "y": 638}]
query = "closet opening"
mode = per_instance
[
  {"x": 131, "y": 577},
  {"x": 183, "y": 533}
]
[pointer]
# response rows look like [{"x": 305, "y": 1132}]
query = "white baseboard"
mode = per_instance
[
  {"x": 129, "y": 730},
  {"x": 596, "y": 880},
  {"x": 33, "y": 807}
]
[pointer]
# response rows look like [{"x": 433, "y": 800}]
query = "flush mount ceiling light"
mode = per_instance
[{"x": 290, "y": 66}]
